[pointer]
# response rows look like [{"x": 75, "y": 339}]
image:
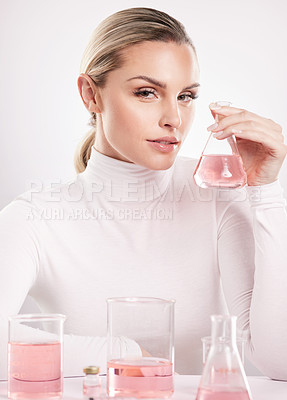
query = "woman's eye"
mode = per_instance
[
  {"x": 147, "y": 94},
  {"x": 186, "y": 97}
]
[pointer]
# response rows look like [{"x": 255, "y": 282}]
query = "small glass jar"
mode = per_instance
[{"x": 92, "y": 382}]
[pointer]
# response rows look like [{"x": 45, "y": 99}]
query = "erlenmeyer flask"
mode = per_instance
[
  {"x": 223, "y": 376},
  {"x": 220, "y": 164}
]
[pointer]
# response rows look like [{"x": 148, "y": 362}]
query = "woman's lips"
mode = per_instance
[{"x": 164, "y": 144}]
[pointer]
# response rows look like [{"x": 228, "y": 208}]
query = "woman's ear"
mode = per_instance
[{"x": 89, "y": 93}]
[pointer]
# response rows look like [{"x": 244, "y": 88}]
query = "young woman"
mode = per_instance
[{"x": 133, "y": 223}]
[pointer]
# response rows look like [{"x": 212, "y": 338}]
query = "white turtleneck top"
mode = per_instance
[{"x": 120, "y": 229}]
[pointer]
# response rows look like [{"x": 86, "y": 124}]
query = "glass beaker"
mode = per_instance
[
  {"x": 35, "y": 356},
  {"x": 220, "y": 164},
  {"x": 223, "y": 376},
  {"x": 140, "y": 347}
]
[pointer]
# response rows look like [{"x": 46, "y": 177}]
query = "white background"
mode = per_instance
[{"x": 241, "y": 46}]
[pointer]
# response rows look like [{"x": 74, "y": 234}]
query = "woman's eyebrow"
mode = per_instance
[
  {"x": 150, "y": 80},
  {"x": 158, "y": 83},
  {"x": 194, "y": 85}
]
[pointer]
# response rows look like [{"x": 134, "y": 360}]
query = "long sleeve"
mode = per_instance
[
  {"x": 71, "y": 247},
  {"x": 20, "y": 263},
  {"x": 252, "y": 253},
  {"x": 268, "y": 317}
]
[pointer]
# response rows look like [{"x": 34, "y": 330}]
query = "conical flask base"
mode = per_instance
[
  {"x": 220, "y": 164},
  {"x": 221, "y": 171},
  {"x": 223, "y": 376},
  {"x": 206, "y": 394}
]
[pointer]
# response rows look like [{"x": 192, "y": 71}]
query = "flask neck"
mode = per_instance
[{"x": 223, "y": 330}]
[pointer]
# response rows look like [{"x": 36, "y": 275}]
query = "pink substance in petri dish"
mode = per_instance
[
  {"x": 220, "y": 171},
  {"x": 145, "y": 378},
  {"x": 34, "y": 370}
]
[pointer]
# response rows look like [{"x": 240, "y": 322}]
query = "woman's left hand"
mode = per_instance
[{"x": 260, "y": 142}]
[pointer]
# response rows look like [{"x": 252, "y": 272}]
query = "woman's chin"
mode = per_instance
[{"x": 160, "y": 163}]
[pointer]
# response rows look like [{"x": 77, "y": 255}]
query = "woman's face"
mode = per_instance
[{"x": 147, "y": 105}]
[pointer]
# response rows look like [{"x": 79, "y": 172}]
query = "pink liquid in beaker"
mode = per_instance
[
  {"x": 145, "y": 378},
  {"x": 34, "y": 370},
  {"x": 220, "y": 170},
  {"x": 204, "y": 394}
]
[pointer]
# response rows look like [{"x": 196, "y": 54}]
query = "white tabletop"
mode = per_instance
[{"x": 185, "y": 388}]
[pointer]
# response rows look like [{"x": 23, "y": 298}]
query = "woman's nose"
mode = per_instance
[{"x": 170, "y": 116}]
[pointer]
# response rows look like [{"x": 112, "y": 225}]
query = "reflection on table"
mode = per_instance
[{"x": 262, "y": 388}]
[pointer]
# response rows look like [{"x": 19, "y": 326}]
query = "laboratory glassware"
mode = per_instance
[
  {"x": 206, "y": 345},
  {"x": 91, "y": 382},
  {"x": 223, "y": 376},
  {"x": 220, "y": 164},
  {"x": 140, "y": 347},
  {"x": 35, "y": 356}
]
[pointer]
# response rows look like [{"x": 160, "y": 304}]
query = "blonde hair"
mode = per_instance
[{"x": 104, "y": 52}]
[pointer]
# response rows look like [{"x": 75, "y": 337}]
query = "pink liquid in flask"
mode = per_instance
[
  {"x": 204, "y": 394},
  {"x": 220, "y": 170},
  {"x": 145, "y": 378},
  {"x": 34, "y": 370}
]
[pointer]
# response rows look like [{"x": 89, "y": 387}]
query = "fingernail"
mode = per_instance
[
  {"x": 214, "y": 106},
  {"x": 213, "y": 126},
  {"x": 236, "y": 131},
  {"x": 217, "y": 134},
  {"x": 223, "y": 103}
]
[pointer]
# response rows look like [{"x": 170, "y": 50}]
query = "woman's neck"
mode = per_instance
[{"x": 125, "y": 181}]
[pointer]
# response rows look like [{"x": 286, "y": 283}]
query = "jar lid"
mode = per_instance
[{"x": 91, "y": 369}]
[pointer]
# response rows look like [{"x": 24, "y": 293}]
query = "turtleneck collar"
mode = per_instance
[{"x": 123, "y": 181}]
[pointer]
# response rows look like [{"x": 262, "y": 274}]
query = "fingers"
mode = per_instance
[
  {"x": 237, "y": 121},
  {"x": 231, "y": 125},
  {"x": 234, "y": 114},
  {"x": 268, "y": 141},
  {"x": 260, "y": 141},
  {"x": 248, "y": 126}
]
